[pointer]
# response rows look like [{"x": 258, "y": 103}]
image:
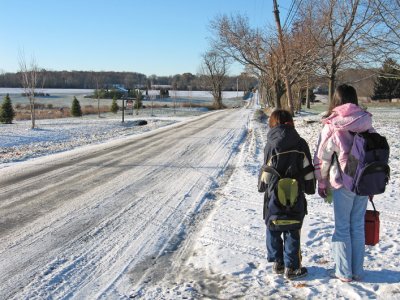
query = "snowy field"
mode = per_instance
[
  {"x": 18, "y": 142},
  {"x": 63, "y": 97},
  {"x": 221, "y": 252}
]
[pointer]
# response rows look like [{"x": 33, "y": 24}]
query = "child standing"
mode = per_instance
[
  {"x": 289, "y": 156},
  {"x": 343, "y": 119}
]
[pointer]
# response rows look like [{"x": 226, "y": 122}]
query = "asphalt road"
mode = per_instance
[{"x": 77, "y": 226}]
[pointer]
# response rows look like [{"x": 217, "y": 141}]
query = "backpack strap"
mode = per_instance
[
  {"x": 271, "y": 170},
  {"x": 310, "y": 168},
  {"x": 335, "y": 157}
]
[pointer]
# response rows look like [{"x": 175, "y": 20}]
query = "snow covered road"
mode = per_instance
[
  {"x": 75, "y": 224},
  {"x": 172, "y": 213}
]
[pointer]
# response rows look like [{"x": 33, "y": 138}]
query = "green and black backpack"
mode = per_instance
[{"x": 285, "y": 205}]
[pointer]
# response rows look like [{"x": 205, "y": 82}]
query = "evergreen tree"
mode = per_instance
[
  {"x": 114, "y": 106},
  {"x": 7, "y": 112},
  {"x": 76, "y": 110},
  {"x": 387, "y": 86}
]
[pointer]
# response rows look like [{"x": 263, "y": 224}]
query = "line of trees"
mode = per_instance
[
  {"x": 105, "y": 79},
  {"x": 318, "y": 40}
]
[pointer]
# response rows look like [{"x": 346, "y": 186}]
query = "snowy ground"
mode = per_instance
[
  {"x": 221, "y": 252},
  {"x": 19, "y": 142},
  {"x": 63, "y": 97},
  {"x": 226, "y": 258}
]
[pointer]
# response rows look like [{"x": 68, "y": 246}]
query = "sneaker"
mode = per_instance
[
  {"x": 294, "y": 274},
  {"x": 278, "y": 267},
  {"x": 342, "y": 279}
]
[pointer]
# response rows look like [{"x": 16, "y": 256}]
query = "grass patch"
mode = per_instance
[{"x": 23, "y": 113}]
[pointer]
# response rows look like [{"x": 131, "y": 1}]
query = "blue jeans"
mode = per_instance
[
  {"x": 348, "y": 240},
  {"x": 286, "y": 250}
]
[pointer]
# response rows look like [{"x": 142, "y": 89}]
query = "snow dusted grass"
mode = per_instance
[{"x": 19, "y": 142}]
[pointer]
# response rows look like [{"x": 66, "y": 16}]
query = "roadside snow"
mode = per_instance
[
  {"x": 18, "y": 142},
  {"x": 227, "y": 258}
]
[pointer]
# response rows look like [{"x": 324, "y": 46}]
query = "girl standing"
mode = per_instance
[
  {"x": 289, "y": 155},
  {"x": 344, "y": 117}
]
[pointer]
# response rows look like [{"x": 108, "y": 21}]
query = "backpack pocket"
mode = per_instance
[
  {"x": 283, "y": 223},
  {"x": 373, "y": 179},
  {"x": 286, "y": 212},
  {"x": 288, "y": 191}
]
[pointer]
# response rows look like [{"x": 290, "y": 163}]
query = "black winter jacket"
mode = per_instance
[{"x": 290, "y": 155}]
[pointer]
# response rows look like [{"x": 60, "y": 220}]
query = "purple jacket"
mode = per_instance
[{"x": 335, "y": 137}]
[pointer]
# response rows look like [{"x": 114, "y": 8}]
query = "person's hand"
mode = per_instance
[{"x": 323, "y": 192}]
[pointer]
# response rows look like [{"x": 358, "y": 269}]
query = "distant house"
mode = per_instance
[
  {"x": 117, "y": 85},
  {"x": 121, "y": 88},
  {"x": 161, "y": 86}
]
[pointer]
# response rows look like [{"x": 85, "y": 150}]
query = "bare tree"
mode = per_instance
[
  {"x": 29, "y": 78},
  {"x": 302, "y": 52},
  {"x": 261, "y": 53},
  {"x": 214, "y": 66},
  {"x": 341, "y": 31},
  {"x": 251, "y": 48},
  {"x": 388, "y": 34}
]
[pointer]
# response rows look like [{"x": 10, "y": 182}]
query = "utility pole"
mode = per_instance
[
  {"x": 152, "y": 99},
  {"x": 285, "y": 67},
  {"x": 123, "y": 109},
  {"x": 237, "y": 87},
  {"x": 174, "y": 93},
  {"x": 125, "y": 95},
  {"x": 190, "y": 97}
]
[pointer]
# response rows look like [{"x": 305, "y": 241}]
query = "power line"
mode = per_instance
[
  {"x": 293, "y": 15},
  {"x": 288, "y": 15}
]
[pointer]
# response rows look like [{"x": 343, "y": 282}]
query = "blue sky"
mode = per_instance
[{"x": 150, "y": 37}]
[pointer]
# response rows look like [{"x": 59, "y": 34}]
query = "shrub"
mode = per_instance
[
  {"x": 7, "y": 112},
  {"x": 114, "y": 106},
  {"x": 76, "y": 110}
]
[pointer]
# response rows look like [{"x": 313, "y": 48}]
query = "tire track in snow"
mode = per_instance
[{"x": 96, "y": 237}]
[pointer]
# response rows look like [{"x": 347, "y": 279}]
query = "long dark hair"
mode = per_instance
[
  {"x": 343, "y": 94},
  {"x": 280, "y": 117}
]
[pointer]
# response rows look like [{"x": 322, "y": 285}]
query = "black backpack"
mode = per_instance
[
  {"x": 283, "y": 180},
  {"x": 367, "y": 171}
]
